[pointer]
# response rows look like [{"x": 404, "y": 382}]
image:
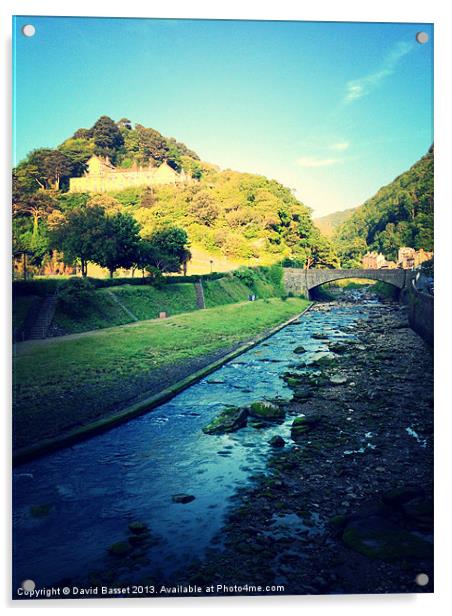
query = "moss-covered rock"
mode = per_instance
[
  {"x": 229, "y": 420},
  {"x": 378, "y": 538},
  {"x": 41, "y": 511},
  {"x": 277, "y": 441},
  {"x": 138, "y": 528},
  {"x": 338, "y": 347},
  {"x": 301, "y": 425},
  {"x": 323, "y": 361},
  {"x": 266, "y": 411},
  {"x": 299, "y": 350}
]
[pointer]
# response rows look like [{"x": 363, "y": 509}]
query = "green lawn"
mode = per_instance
[
  {"x": 60, "y": 384},
  {"x": 147, "y": 302}
]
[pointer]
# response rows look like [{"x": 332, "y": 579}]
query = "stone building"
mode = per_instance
[
  {"x": 102, "y": 176},
  {"x": 373, "y": 260},
  {"x": 409, "y": 257}
]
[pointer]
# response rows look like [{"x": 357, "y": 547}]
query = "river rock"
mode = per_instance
[
  {"x": 303, "y": 424},
  {"x": 319, "y": 336},
  {"x": 378, "y": 538},
  {"x": 299, "y": 350},
  {"x": 338, "y": 379},
  {"x": 337, "y": 347},
  {"x": 229, "y": 420},
  {"x": 183, "y": 498},
  {"x": 138, "y": 528},
  {"x": 323, "y": 360},
  {"x": 277, "y": 441},
  {"x": 266, "y": 411}
]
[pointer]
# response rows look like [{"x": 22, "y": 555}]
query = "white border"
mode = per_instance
[{"x": 436, "y": 11}]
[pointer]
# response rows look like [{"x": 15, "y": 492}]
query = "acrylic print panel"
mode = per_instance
[{"x": 223, "y": 304}]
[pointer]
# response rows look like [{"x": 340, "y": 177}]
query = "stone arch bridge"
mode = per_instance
[{"x": 302, "y": 281}]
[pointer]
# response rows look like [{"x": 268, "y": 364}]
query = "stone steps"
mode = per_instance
[
  {"x": 39, "y": 329},
  {"x": 200, "y": 300}
]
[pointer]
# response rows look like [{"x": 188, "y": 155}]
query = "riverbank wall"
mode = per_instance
[{"x": 420, "y": 311}]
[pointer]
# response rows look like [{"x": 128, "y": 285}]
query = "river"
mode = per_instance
[{"x": 70, "y": 506}]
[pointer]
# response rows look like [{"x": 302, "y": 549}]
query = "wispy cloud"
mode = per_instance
[
  {"x": 357, "y": 88},
  {"x": 340, "y": 146},
  {"x": 310, "y": 162}
]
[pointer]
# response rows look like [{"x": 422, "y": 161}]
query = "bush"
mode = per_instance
[
  {"x": 75, "y": 294},
  {"x": 41, "y": 287},
  {"x": 246, "y": 275}
]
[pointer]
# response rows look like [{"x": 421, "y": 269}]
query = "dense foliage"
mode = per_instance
[
  {"x": 400, "y": 214},
  {"x": 242, "y": 217}
]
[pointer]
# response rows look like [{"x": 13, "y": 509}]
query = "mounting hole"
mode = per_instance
[
  {"x": 422, "y": 579},
  {"x": 422, "y": 37},
  {"x": 28, "y": 30},
  {"x": 28, "y": 585}
]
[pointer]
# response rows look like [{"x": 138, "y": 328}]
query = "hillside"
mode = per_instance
[
  {"x": 328, "y": 224},
  {"x": 400, "y": 214},
  {"x": 231, "y": 218}
]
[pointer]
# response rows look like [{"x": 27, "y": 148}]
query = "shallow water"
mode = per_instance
[{"x": 94, "y": 489}]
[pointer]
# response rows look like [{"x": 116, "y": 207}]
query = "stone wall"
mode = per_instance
[{"x": 421, "y": 312}]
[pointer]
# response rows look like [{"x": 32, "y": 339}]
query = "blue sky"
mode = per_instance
[{"x": 333, "y": 110}]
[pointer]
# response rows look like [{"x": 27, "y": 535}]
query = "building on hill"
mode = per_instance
[
  {"x": 409, "y": 257},
  {"x": 373, "y": 260},
  {"x": 102, "y": 176}
]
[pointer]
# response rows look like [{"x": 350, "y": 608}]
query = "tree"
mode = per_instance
[
  {"x": 120, "y": 243},
  {"x": 107, "y": 137},
  {"x": 165, "y": 250},
  {"x": 78, "y": 151},
  {"x": 204, "y": 208},
  {"x": 51, "y": 166},
  {"x": 37, "y": 206},
  {"x": 124, "y": 123},
  {"x": 80, "y": 235}
]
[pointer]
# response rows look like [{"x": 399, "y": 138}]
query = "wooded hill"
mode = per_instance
[
  {"x": 400, "y": 214},
  {"x": 329, "y": 223},
  {"x": 242, "y": 217}
]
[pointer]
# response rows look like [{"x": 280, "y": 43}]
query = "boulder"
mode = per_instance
[
  {"x": 266, "y": 411},
  {"x": 277, "y": 441},
  {"x": 319, "y": 336},
  {"x": 301, "y": 425},
  {"x": 337, "y": 347},
  {"x": 138, "y": 528},
  {"x": 378, "y": 538},
  {"x": 229, "y": 420},
  {"x": 299, "y": 350}
]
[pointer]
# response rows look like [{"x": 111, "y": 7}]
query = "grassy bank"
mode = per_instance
[
  {"x": 103, "y": 303},
  {"x": 61, "y": 384}
]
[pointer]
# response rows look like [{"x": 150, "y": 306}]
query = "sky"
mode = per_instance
[{"x": 331, "y": 110}]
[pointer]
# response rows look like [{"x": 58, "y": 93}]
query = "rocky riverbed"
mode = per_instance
[
  {"x": 345, "y": 505},
  {"x": 306, "y": 463}
]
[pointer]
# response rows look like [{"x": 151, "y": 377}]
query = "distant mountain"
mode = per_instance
[
  {"x": 399, "y": 214},
  {"x": 329, "y": 223}
]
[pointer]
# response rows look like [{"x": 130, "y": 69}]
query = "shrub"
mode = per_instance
[{"x": 75, "y": 294}]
